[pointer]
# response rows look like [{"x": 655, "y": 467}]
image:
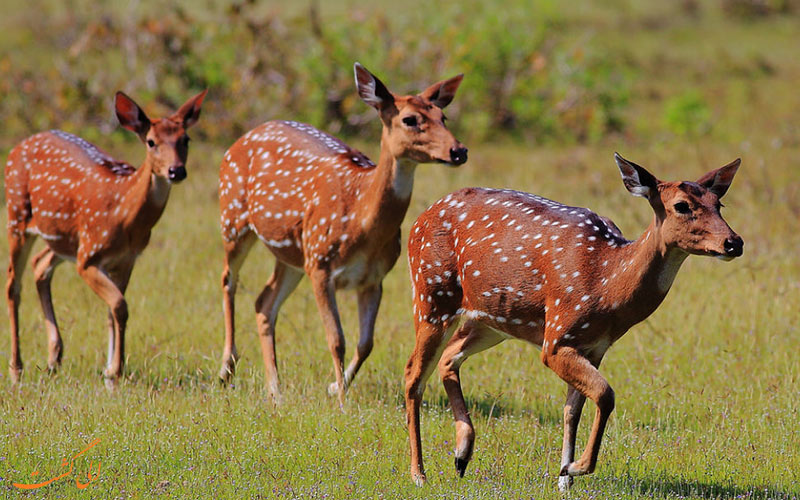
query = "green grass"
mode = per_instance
[{"x": 706, "y": 387}]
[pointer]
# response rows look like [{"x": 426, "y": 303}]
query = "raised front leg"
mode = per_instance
[
  {"x": 283, "y": 281},
  {"x": 470, "y": 339},
  {"x": 107, "y": 290},
  {"x": 44, "y": 263},
  {"x": 369, "y": 300},
  {"x": 325, "y": 294},
  {"x": 19, "y": 249},
  {"x": 580, "y": 373},
  {"x": 572, "y": 417}
]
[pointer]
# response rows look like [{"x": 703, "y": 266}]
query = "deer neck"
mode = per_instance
[
  {"x": 146, "y": 198},
  {"x": 387, "y": 194},
  {"x": 643, "y": 273}
]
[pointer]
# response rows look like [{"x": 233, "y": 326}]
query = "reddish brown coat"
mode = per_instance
[{"x": 516, "y": 265}]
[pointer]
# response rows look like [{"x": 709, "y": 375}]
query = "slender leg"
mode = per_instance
[
  {"x": 44, "y": 263},
  {"x": 235, "y": 253},
  {"x": 572, "y": 416},
  {"x": 107, "y": 290},
  {"x": 470, "y": 339},
  {"x": 577, "y": 371},
  {"x": 120, "y": 276},
  {"x": 19, "y": 247},
  {"x": 430, "y": 341},
  {"x": 369, "y": 299},
  {"x": 325, "y": 294},
  {"x": 281, "y": 284}
]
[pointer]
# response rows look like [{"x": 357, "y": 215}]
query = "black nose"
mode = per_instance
[
  {"x": 177, "y": 174},
  {"x": 458, "y": 155},
  {"x": 734, "y": 247}
]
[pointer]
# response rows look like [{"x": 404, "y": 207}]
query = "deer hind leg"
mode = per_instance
[
  {"x": 281, "y": 284},
  {"x": 470, "y": 339},
  {"x": 235, "y": 253},
  {"x": 20, "y": 247},
  {"x": 572, "y": 416},
  {"x": 44, "y": 263},
  {"x": 369, "y": 299},
  {"x": 581, "y": 374},
  {"x": 431, "y": 339}
]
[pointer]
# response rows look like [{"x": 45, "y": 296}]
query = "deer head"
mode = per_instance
[
  {"x": 166, "y": 139},
  {"x": 688, "y": 213},
  {"x": 414, "y": 125}
]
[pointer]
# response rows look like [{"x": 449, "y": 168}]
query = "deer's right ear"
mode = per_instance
[
  {"x": 131, "y": 116},
  {"x": 371, "y": 90},
  {"x": 637, "y": 180}
]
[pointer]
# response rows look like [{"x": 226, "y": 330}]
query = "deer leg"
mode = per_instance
[
  {"x": 235, "y": 253},
  {"x": 580, "y": 373},
  {"x": 19, "y": 247},
  {"x": 44, "y": 263},
  {"x": 283, "y": 281},
  {"x": 430, "y": 341},
  {"x": 572, "y": 416},
  {"x": 120, "y": 277},
  {"x": 107, "y": 290},
  {"x": 325, "y": 294},
  {"x": 470, "y": 339},
  {"x": 369, "y": 299}
]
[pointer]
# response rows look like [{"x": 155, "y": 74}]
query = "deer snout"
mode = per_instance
[
  {"x": 734, "y": 246},
  {"x": 176, "y": 173},
  {"x": 458, "y": 155}
]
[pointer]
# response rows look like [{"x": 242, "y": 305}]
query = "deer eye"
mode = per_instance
[
  {"x": 410, "y": 121},
  {"x": 682, "y": 208},
  {"x": 151, "y": 143}
]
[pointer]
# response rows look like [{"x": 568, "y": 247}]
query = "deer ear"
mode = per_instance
[
  {"x": 189, "y": 113},
  {"x": 441, "y": 94},
  {"x": 718, "y": 181},
  {"x": 639, "y": 181},
  {"x": 372, "y": 90},
  {"x": 131, "y": 116}
]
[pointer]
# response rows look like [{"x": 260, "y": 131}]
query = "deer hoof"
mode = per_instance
[
  {"x": 419, "y": 479},
  {"x": 565, "y": 483},
  {"x": 15, "y": 372},
  {"x": 461, "y": 466},
  {"x": 110, "y": 383}
]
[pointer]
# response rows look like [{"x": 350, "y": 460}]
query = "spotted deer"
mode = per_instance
[
  {"x": 91, "y": 209},
  {"x": 323, "y": 208},
  {"x": 506, "y": 264}
]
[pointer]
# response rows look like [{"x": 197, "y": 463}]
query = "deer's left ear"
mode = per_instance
[
  {"x": 718, "y": 181},
  {"x": 441, "y": 94},
  {"x": 130, "y": 115},
  {"x": 189, "y": 113},
  {"x": 639, "y": 181}
]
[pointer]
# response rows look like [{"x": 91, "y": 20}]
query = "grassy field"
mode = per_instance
[{"x": 706, "y": 387}]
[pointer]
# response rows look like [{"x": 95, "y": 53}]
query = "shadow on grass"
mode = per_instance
[
  {"x": 489, "y": 408},
  {"x": 682, "y": 488}
]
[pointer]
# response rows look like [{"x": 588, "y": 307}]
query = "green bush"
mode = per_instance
[{"x": 261, "y": 63}]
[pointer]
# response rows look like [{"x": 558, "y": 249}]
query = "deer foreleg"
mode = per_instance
[
  {"x": 369, "y": 299},
  {"x": 581, "y": 374}
]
